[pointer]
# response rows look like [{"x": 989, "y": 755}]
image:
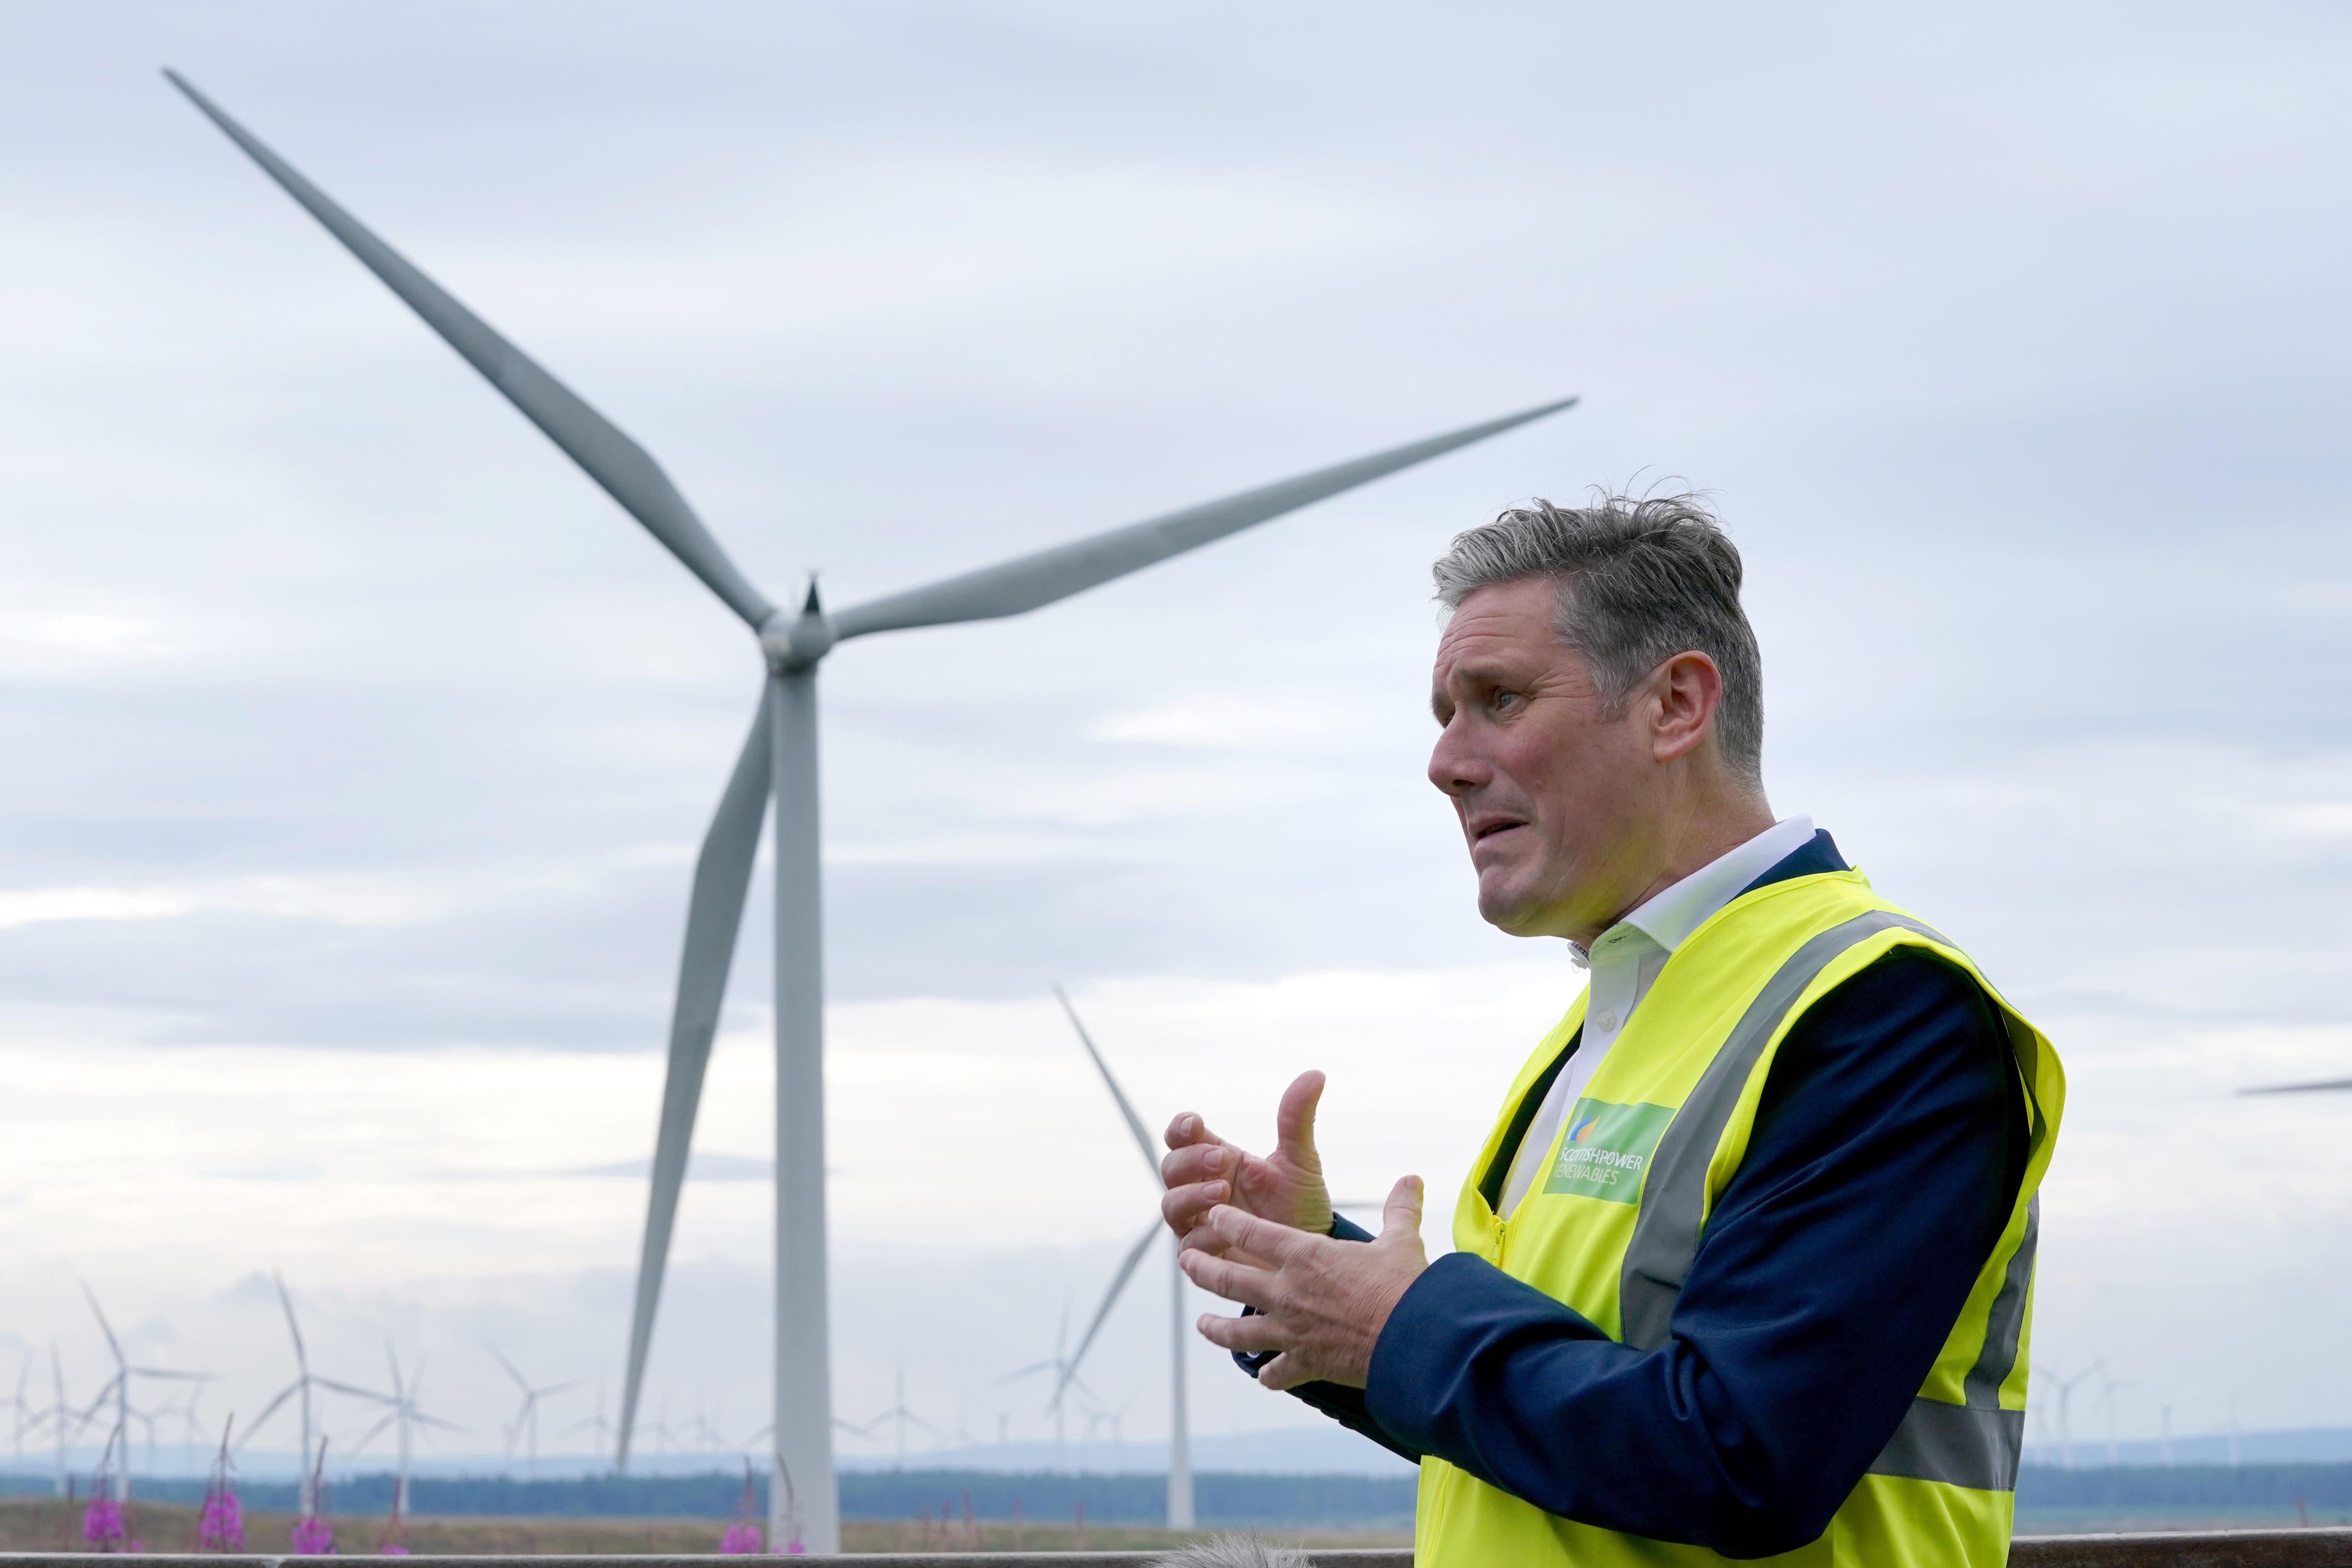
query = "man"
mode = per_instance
[{"x": 1744, "y": 1268}]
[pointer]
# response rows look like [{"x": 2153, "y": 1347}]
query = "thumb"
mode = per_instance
[
  {"x": 1294, "y": 1120},
  {"x": 1400, "y": 1215}
]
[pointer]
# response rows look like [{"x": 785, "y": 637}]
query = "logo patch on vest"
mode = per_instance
[{"x": 1607, "y": 1149}]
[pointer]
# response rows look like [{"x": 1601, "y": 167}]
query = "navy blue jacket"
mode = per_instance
[{"x": 1888, "y": 1145}]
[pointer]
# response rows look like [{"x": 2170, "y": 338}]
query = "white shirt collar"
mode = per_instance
[{"x": 1668, "y": 917}]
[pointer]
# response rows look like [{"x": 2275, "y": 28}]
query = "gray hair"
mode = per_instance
[
  {"x": 1640, "y": 581},
  {"x": 1234, "y": 1551}
]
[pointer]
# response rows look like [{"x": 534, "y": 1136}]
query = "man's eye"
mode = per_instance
[{"x": 1502, "y": 699}]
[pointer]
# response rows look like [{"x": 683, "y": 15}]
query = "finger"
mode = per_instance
[
  {"x": 1294, "y": 1119},
  {"x": 1201, "y": 1238},
  {"x": 1187, "y": 1129},
  {"x": 1239, "y": 1227},
  {"x": 1400, "y": 1215},
  {"x": 1198, "y": 1163},
  {"x": 1250, "y": 1335},
  {"x": 1183, "y": 1207},
  {"x": 1283, "y": 1371},
  {"x": 1224, "y": 1276}
]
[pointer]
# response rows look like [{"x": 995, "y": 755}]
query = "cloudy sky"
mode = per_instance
[{"x": 356, "y": 747}]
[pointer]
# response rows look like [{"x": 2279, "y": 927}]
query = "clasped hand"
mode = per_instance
[{"x": 1255, "y": 1229}]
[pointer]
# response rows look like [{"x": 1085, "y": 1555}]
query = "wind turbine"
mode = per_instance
[
  {"x": 403, "y": 1417},
  {"x": 1179, "y": 1439},
  {"x": 118, "y": 1388},
  {"x": 57, "y": 1412},
  {"x": 526, "y": 1414},
  {"x": 597, "y": 1425},
  {"x": 2321, "y": 1087},
  {"x": 2065, "y": 1404},
  {"x": 2109, "y": 1388},
  {"x": 779, "y": 759},
  {"x": 1066, "y": 1377},
  {"x": 305, "y": 1380},
  {"x": 20, "y": 1410},
  {"x": 899, "y": 1416}
]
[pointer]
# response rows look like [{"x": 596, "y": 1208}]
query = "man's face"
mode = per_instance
[{"x": 1549, "y": 792}]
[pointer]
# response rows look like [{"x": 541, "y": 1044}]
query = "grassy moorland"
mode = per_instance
[{"x": 47, "y": 1525}]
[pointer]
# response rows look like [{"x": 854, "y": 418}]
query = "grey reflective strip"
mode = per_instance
[
  {"x": 1957, "y": 1445},
  {"x": 1674, "y": 1192},
  {"x": 2006, "y": 1322}
]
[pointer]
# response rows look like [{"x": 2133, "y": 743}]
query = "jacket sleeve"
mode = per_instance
[
  {"x": 1336, "y": 1400},
  {"x": 1888, "y": 1145}
]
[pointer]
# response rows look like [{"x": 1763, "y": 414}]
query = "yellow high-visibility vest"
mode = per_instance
[{"x": 1612, "y": 1225}]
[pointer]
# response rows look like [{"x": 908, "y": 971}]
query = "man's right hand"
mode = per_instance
[{"x": 1203, "y": 1170}]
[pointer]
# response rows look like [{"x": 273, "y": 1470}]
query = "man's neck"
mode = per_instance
[{"x": 1695, "y": 838}]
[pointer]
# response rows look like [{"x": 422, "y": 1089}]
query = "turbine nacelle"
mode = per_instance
[{"x": 796, "y": 642}]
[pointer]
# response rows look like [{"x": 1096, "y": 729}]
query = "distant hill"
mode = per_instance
[
  {"x": 2300, "y": 1445},
  {"x": 1222, "y": 1498}
]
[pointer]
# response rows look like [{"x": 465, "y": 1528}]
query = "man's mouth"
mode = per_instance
[{"x": 1481, "y": 832}]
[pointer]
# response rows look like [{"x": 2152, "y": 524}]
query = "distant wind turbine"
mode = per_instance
[
  {"x": 119, "y": 1388},
  {"x": 779, "y": 759},
  {"x": 597, "y": 1425},
  {"x": 899, "y": 1416},
  {"x": 58, "y": 1414},
  {"x": 2066, "y": 1387},
  {"x": 404, "y": 1417},
  {"x": 526, "y": 1414},
  {"x": 2109, "y": 1389},
  {"x": 1066, "y": 1377},
  {"x": 301, "y": 1391},
  {"x": 1180, "y": 1441},
  {"x": 20, "y": 1410}
]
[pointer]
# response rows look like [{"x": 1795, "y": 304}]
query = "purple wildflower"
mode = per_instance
[
  {"x": 742, "y": 1538},
  {"x": 221, "y": 1526},
  {"x": 103, "y": 1525},
  {"x": 313, "y": 1537}
]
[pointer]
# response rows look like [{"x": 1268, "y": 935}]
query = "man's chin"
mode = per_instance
[{"x": 1514, "y": 912}]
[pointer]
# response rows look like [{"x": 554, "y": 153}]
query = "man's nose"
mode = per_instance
[{"x": 1454, "y": 765}]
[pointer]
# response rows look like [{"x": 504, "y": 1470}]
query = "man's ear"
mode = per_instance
[{"x": 1685, "y": 692}]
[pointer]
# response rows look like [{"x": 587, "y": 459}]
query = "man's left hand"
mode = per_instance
[{"x": 1321, "y": 1303}]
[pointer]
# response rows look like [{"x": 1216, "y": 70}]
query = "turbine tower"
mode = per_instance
[{"x": 779, "y": 761}]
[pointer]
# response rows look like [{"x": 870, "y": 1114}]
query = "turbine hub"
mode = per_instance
[{"x": 797, "y": 641}]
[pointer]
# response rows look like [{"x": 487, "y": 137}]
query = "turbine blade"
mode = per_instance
[
  {"x": 722, "y": 877},
  {"x": 1134, "y": 1122},
  {"x": 104, "y": 1327},
  {"x": 626, "y": 471},
  {"x": 2333, "y": 1083},
  {"x": 520, "y": 1381},
  {"x": 301, "y": 1356},
  {"x": 267, "y": 1412},
  {"x": 1016, "y": 586},
  {"x": 1110, "y": 1299},
  {"x": 367, "y": 1394},
  {"x": 375, "y": 1431}
]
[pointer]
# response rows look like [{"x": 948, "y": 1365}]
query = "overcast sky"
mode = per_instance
[{"x": 356, "y": 746}]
